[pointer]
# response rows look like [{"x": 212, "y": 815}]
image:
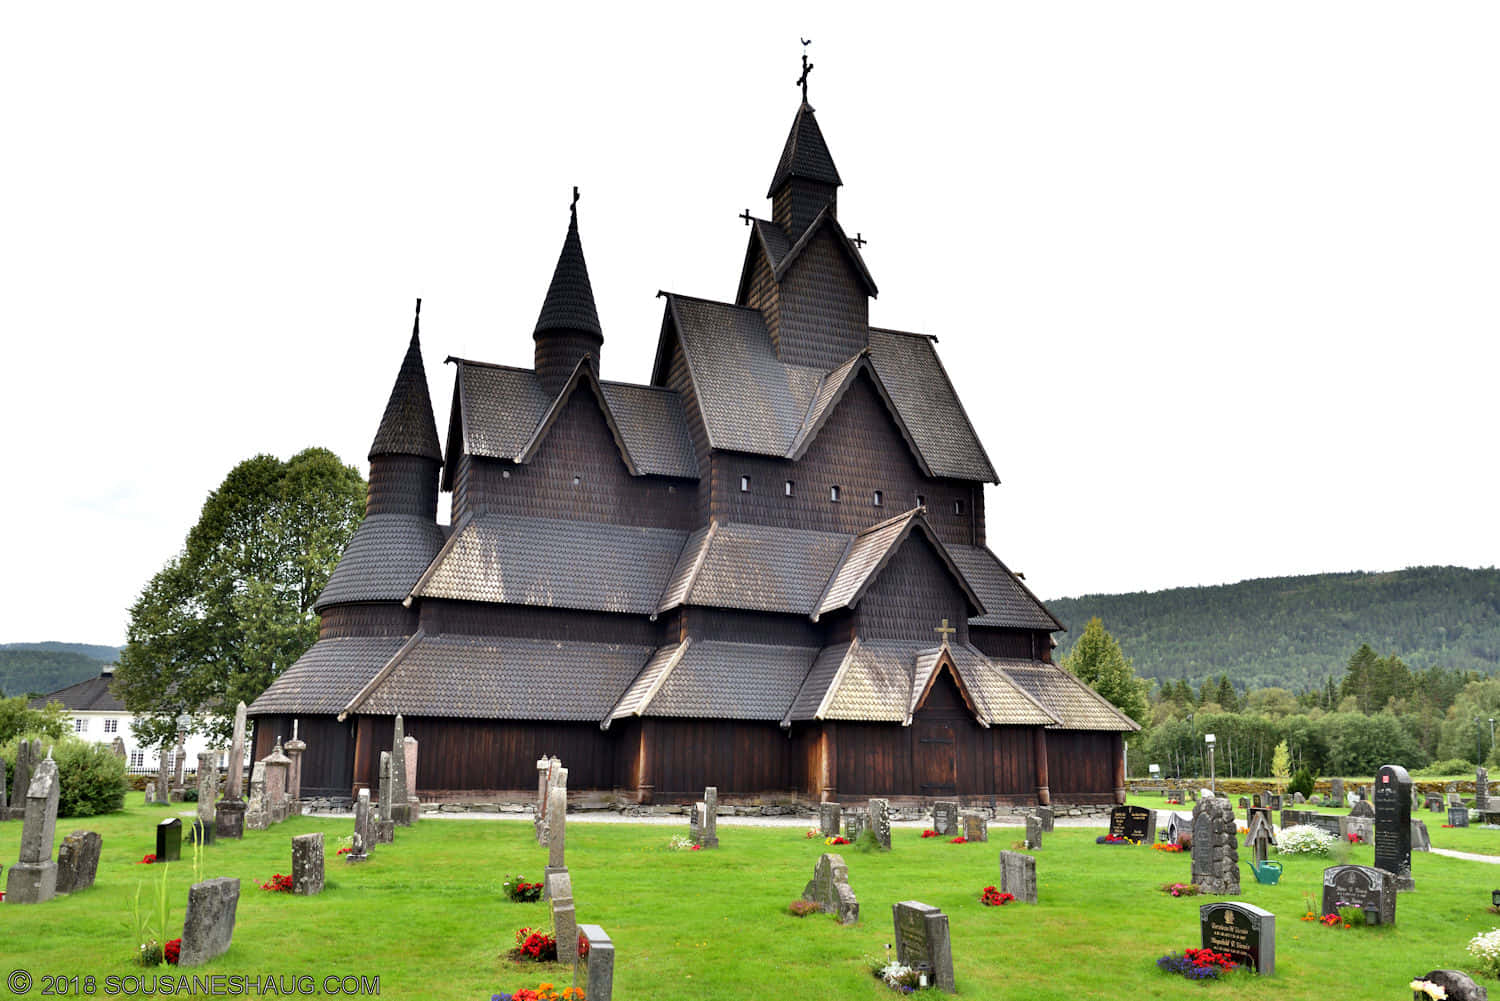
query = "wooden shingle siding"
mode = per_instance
[
  {"x": 825, "y": 313},
  {"x": 764, "y": 296},
  {"x": 474, "y": 619},
  {"x": 798, "y": 202},
  {"x": 750, "y": 627},
  {"x": 911, "y": 597},
  {"x": 1018, "y": 643},
  {"x": 402, "y": 484},
  {"x": 367, "y": 620}
]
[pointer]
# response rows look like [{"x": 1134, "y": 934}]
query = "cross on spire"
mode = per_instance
[
  {"x": 807, "y": 69},
  {"x": 946, "y": 631},
  {"x": 745, "y": 215},
  {"x": 859, "y": 240}
]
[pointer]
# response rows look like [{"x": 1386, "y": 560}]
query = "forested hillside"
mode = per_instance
[
  {"x": 45, "y": 667},
  {"x": 1296, "y": 632}
]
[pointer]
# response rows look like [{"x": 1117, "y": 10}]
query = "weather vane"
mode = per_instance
[
  {"x": 807, "y": 68},
  {"x": 574, "y": 207}
]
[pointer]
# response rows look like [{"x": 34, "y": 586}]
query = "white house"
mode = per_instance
[{"x": 99, "y": 716}]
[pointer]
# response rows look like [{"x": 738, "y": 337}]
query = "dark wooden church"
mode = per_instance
[{"x": 740, "y": 575}]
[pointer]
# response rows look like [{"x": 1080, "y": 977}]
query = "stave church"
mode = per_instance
[{"x": 765, "y": 571}]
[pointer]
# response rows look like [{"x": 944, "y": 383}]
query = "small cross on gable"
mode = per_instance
[{"x": 946, "y": 631}]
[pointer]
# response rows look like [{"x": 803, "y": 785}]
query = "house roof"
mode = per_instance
[
  {"x": 90, "y": 695},
  {"x": 407, "y": 427},
  {"x": 805, "y": 154},
  {"x": 487, "y": 677},
  {"x": 500, "y": 411},
  {"x": 872, "y": 548},
  {"x": 328, "y": 675},
  {"x": 570, "y": 297},
  {"x": 383, "y": 559},
  {"x": 538, "y": 561},
  {"x": 717, "y": 680},
  {"x": 1007, "y": 602},
  {"x": 1072, "y": 703}
]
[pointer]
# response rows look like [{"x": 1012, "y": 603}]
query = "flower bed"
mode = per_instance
[
  {"x": 1110, "y": 839},
  {"x": 1165, "y": 847},
  {"x": 534, "y": 946},
  {"x": 1485, "y": 947},
  {"x": 992, "y": 897},
  {"x": 1198, "y": 964},
  {"x": 542, "y": 992},
  {"x": 1304, "y": 839},
  {"x": 518, "y": 891},
  {"x": 1180, "y": 889},
  {"x": 278, "y": 884}
]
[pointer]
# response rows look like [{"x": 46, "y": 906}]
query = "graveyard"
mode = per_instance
[{"x": 426, "y": 913}]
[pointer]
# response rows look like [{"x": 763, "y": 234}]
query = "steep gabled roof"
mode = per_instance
[
  {"x": 760, "y": 568},
  {"x": 383, "y": 559},
  {"x": 873, "y": 548},
  {"x": 930, "y": 665},
  {"x": 710, "y": 679},
  {"x": 583, "y": 375},
  {"x": 1074, "y": 704},
  {"x": 910, "y": 370},
  {"x": 407, "y": 426},
  {"x": 1008, "y": 602},
  {"x": 781, "y": 252},
  {"x": 499, "y": 412},
  {"x": 831, "y": 391},
  {"x": 805, "y": 154},
  {"x": 570, "y": 297}
]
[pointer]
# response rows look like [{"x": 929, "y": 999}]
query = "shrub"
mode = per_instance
[
  {"x": 1486, "y": 948},
  {"x": 1301, "y": 782},
  {"x": 1451, "y": 766},
  {"x": 1304, "y": 839},
  {"x": 801, "y": 908},
  {"x": 90, "y": 779}
]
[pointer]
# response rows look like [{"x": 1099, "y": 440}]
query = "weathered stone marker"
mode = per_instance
[
  {"x": 1135, "y": 822},
  {"x": 922, "y": 941},
  {"x": 1420, "y": 842},
  {"x": 1458, "y": 816},
  {"x": 401, "y": 811},
  {"x": 28, "y": 756},
  {"x": 1033, "y": 832},
  {"x": 945, "y": 817},
  {"x": 1393, "y": 824},
  {"x": 78, "y": 861},
  {"x": 257, "y": 809},
  {"x": 829, "y": 889},
  {"x": 278, "y": 778},
  {"x": 557, "y": 826},
  {"x": 169, "y": 840},
  {"x": 385, "y": 827},
  {"x": 33, "y": 879},
  {"x": 1044, "y": 814},
  {"x": 295, "y": 748},
  {"x": 208, "y": 926},
  {"x": 1336, "y": 797},
  {"x": 1245, "y": 931},
  {"x": 1364, "y": 808},
  {"x": 703, "y": 821},
  {"x": 1371, "y": 890},
  {"x": 880, "y": 822},
  {"x": 564, "y": 915},
  {"x": 830, "y": 819},
  {"x": 229, "y": 812},
  {"x": 976, "y": 827},
  {"x": 1216, "y": 861},
  {"x": 409, "y": 753},
  {"x": 208, "y": 788},
  {"x": 363, "y": 842},
  {"x": 307, "y": 864},
  {"x": 1018, "y": 876},
  {"x": 1481, "y": 789},
  {"x": 596, "y": 967}
]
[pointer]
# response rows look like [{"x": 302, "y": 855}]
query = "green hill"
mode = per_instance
[
  {"x": 1293, "y": 632},
  {"x": 45, "y": 667}
]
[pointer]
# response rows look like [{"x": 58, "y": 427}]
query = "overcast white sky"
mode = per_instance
[{"x": 1216, "y": 282}]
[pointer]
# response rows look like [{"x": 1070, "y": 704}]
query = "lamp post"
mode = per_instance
[
  {"x": 1492, "y": 735},
  {"x": 1213, "y": 784},
  {"x": 1478, "y": 742}
]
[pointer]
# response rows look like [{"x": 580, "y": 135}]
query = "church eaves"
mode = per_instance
[{"x": 408, "y": 427}]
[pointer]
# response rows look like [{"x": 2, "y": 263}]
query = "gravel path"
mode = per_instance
[{"x": 1468, "y": 856}]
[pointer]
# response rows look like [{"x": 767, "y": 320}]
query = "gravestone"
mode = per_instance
[
  {"x": 1246, "y": 932},
  {"x": 557, "y": 826},
  {"x": 1292, "y": 818},
  {"x": 1420, "y": 842},
  {"x": 1393, "y": 824},
  {"x": 1136, "y": 823},
  {"x": 564, "y": 915},
  {"x": 1457, "y": 986},
  {"x": 1244, "y": 802},
  {"x": 151, "y": 794},
  {"x": 1336, "y": 797},
  {"x": 1255, "y": 800},
  {"x": 945, "y": 817},
  {"x": 1215, "y": 859},
  {"x": 595, "y": 968},
  {"x": 703, "y": 822},
  {"x": 1298, "y": 798},
  {"x": 363, "y": 841},
  {"x": 829, "y": 889},
  {"x": 1434, "y": 802},
  {"x": 1328, "y": 823},
  {"x": 545, "y": 766},
  {"x": 1044, "y": 814},
  {"x": 400, "y": 790},
  {"x": 1033, "y": 833},
  {"x": 1274, "y": 800},
  {"x": 1018, "y": 876},
  {"x": 33, "y": 879},
  {"x": 257, "y": 811},
  {"x": 855, "y": 822},
  {"x": 1361, "y": 829},
  {"x": 179, "y": 760},
  {"x": 1458, "y": 816},
  {"x": 1454, "y": 799},
  {"x": 413, "y": 802},
  {"x": 163, "y": 775},
  {"x": 1371, "y": 890},
  {"x": 28, "y": 756},
  {"x": 830, "y": 819},
  {"x": 385, "y": 827},
  {"x": 976, "y": 828},
  {"x": 1481, "y": 789},
  {"x": 117, "y": 747},
  {"x": 880, "y": 822},
  {"x": 307, "y": 864},
  {"x": 278, "y": 790},
  {"x": 208, "y": 927},
  {"x": 294, "y": 751},
  {"x": 1179, "y": 824},
  {"x": 229, "y": 812},
  {"x": 169, "y": 840},
  {"x": 922, "y": 941},
  {"x": 1364, "y": 808},
  {"x": 78, "y": 861},
  {"x": 208, "y": 788}
]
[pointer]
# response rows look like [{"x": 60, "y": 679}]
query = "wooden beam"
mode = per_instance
[
  {"x": 645, "y": 787},
  {"x": 364, "y": 755},
  {"x": 828, "y": 763},
  {"x": 1043, "y": 794},
  {"x": 1118, "y": 746}
]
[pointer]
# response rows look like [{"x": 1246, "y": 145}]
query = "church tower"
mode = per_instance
[
  {"x": 568, "y": 328},
  {"x": 405, "y": 456}
]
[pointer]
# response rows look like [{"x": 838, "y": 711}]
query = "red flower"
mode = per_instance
[
  {"x": 960, "y": 840},
  {"x": 172, "y": 951},
  {"x": 278, "y": 884},
  {"x": 929, "y": 834},
  {"x": 147, "y": 860}
]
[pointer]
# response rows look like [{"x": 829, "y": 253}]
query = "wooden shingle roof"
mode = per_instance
[
  {"x": 570, "y": 297},
  {"x": 718, "y": 680},
  {"x": 383, "y": 559},
  {"x": 805, "y": 154},
  {"x": 1074, "y": 704},
  {"x": 407, "y": 427},
  {"x": 328, "y": 675},
  {"x": 1007, "y": 602},
  {"x": 756, "y": 567}
]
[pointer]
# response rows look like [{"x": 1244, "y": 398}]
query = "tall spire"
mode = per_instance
[
  {"x": 568, "y": 327},
  {"x": 806, "y": 181},
  {"x": 408, "y": 428}
]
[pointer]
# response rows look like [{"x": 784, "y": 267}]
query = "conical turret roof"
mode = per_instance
[
  {"x": 408, "y": 427},
  {"x": 805, "y": 154},
  {"x": 570, "y": 298}
]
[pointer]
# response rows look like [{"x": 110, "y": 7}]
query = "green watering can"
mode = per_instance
[{"x": 1266, "y": 872}]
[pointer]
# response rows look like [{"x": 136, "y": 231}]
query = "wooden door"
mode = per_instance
[{"x": 936, "y": 757}]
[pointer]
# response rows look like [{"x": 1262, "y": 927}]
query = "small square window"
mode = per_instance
[
  {"x": 80, "y": 725},
  {"x": 833, "y": 494},
  {"x": 111, "y": 726},
  {"x": 744, "y": 484},
  {"x": 958, "y": 507},
  {"x": 137, "y": 759},
  {"x": 879, "y": 498},
  {"x": 921, "y": 500},
  {"x": 790, "y": 487},
  {"x": 577, "y": 480}
]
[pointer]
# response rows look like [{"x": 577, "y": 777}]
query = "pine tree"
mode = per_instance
[
  {"x": 1225, "y": 695},
  {"x": 1097, "y": 660}
]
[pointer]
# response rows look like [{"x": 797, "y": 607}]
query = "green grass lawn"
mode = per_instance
[{"x": 427, "y": 916}]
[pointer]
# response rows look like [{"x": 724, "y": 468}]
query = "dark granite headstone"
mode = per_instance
[
  {"x": 1371, "y": 890},
  {"x": 830, "y": 817},
  {"x": 78, "y": 861},
  {"x": 1328, "y": 823},
  {"x": 1273, "y": 800},
  {"x": 208, "y": 926},
  {"x": 169, "y": 840},
  {"x": 1244, "y": 931},
  {"x": 1434, "y": 803},
  {"x": 1458, "y": 816},
  {"x": 1134, "y": 822},
  {"x": 922, "y": 941},
  {"x": 1393, "y": 824}
]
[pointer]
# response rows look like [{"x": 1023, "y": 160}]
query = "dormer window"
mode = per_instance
[
  {"x": 790, "y": 487},
  {"x": 833, "y": 494},
  {"x": 744, "y": 484},
  {"x": 879, "y": 498}
]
